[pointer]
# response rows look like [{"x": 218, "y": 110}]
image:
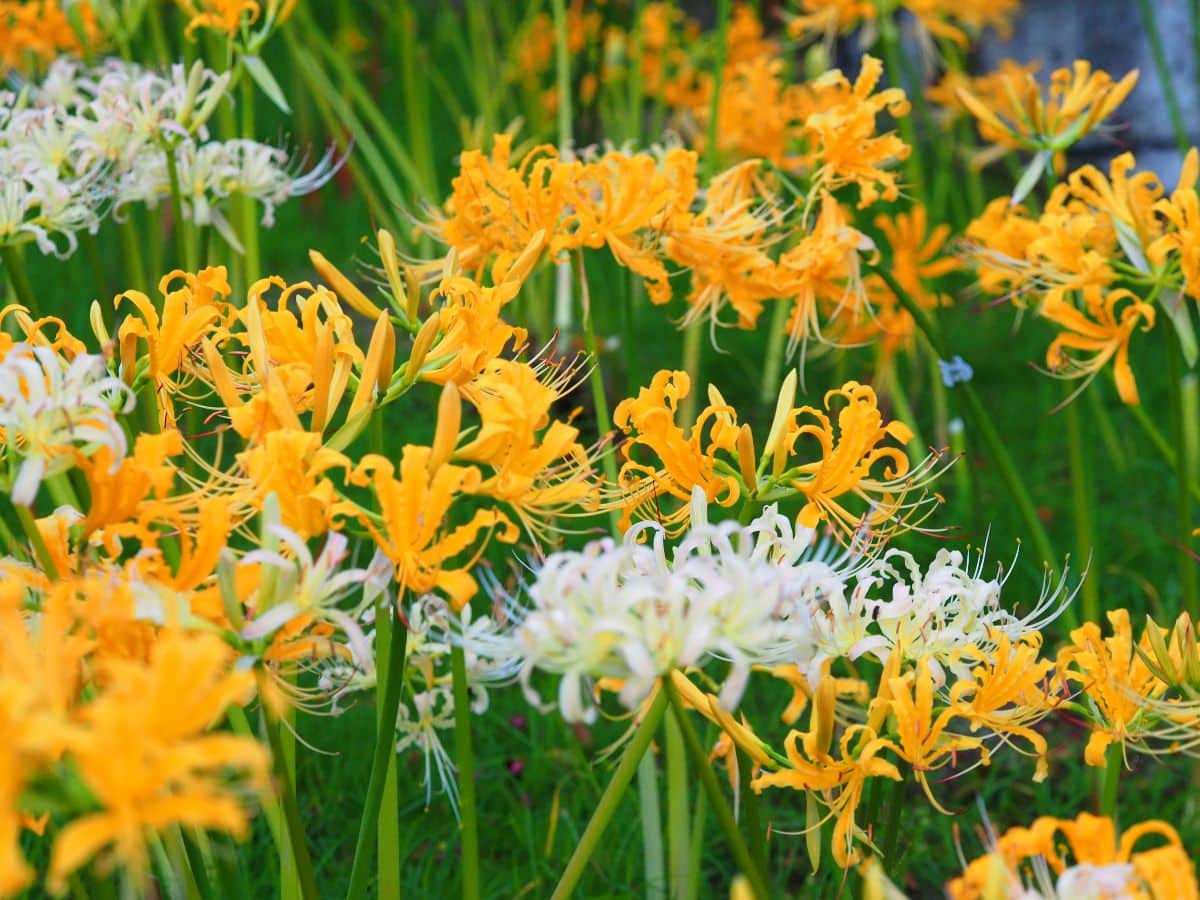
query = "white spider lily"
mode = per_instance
[
  {"x": 743, "y": 594},
  {"x": 49, "y": 405}
]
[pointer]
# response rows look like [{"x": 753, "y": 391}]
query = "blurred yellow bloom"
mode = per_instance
[
  {"x": 1077, "y": 101},
  {"x": 143, "y": 754},
  {"x": 39, "y": 29},
  {"x": 1087, "y": 859},
  {"x": 230, "y": 16}
]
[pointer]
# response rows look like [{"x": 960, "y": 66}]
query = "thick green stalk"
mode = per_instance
[
  {"x": 751, "y": 814},
  {"x": 291, "y": 812},
  {"x": 1110, "y": 778},
  {"x": 637, "y": 94},
  {"x": 385, "y": 747},
  {"x": 387, "y": 863},
  {"x": 773, "y": 362},
  {"x": 91, "y": 250},
  {"x": 983, "y": 422},
  {"x": 611, "y": 798},
  {"x": 677, "y": 810},
  {"x": 889, "y": 38},
  {"x": 1165, "y": 78},
  {"x": 962, "y": 470},
  {"x": 696, "y": 844},
  {"x": 1183, "y": 502},
  {"x": 708, "y": 779},
  {"x": 465, "y": 760},
  {"x": 250, "y": 234},
  {"x": 891, "y": 833},
  {"x": 131, "y": 245},
  {"x": 654, "y": 868},
  {"x": 904, "y": 412},
  {"x": 1081, "y": 500},
  {"x": 40, "y": 551},
  {"x": 181, "y": 237},
  {"x": 14, "y": 263}
]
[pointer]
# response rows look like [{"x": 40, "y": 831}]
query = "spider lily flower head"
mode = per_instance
[
  {"x": 144, "y": 755},
  {"x": 633, "y": 612},
  {"x": 49, "y": 405},
  {"x": 1116, "y": 685},
  {"x": 1077, "y": 101},
  {"x": 1059, "y": 859},
  {"x": 42, "y": 29},
  {"x": 845, "y": 146},
  {"x": 932, "y": 615},
  {"x": 1182, "y": 241},
  {"x": 250, "y": 22},
  {"x": 42, "y": 206}
]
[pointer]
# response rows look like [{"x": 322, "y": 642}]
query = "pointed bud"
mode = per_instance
[
  {"x": 746, "y": 460},
  {"x": 391, "y": 266},
  {"x": 343, "y": 287},
  {"x": 449, "y": 421},
  {"x": 430, "y": 329},
  {"x": 783, "y": 408}
]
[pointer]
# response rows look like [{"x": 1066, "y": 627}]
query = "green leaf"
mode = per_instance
[
  {"x": 266, "y": 81},
  {"x": 1177, "y": 311},
  {"x": 1033, "y": 173}
]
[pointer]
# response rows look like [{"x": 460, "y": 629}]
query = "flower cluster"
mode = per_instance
[
  {"x": 1107, "y": 257},
  {"x": 89, "y": 141}
]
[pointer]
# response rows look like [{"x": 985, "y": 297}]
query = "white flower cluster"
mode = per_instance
[
  {"x": 87, "y": 141},
  {"x": 51, "y": 406},
  {"x": 765, "y": 594}
]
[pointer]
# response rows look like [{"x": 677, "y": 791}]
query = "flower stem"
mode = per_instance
[
  {"x": 1183, "y": 502},
  {"x": 677, "y": 810},
  {"x": 40, "y": 551},
  {"x": 1165, "y": 79},
  {"x": 465, "y": 759},
  {"x": 562, "y": 64},
  {"x": 751, "y": 813},
  {"x": 1110, "y": 780},
  {"x": 249, "y": 234},
  {"x": 773, "y": 362},
  {"x": 14, "y": 263},
  {"x": 1081, "y": 498},
  {"x": 708, "y": 779},
  {"x": 891, "y": 834},
  {"x": 611, "y": 798},
  {"x": 652, "y": 841},
  {"x": 387, "y": 864},
  {"x": 385, "y": 742},
  {"x": 1161, "y": 444},
  {"x": 889, "y": 38},
  {"x": 987, "y": 429},
  {"x": 181, "y": 237},
  {"x": 291, "y": 812}
]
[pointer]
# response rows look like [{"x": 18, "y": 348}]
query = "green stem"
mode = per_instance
[
  {"x": 889, "y": 38},
  {"x": 637, "y": 95},
  {"x": 388, "y": 858},
  {"x": 677, "y": 810},
  {"x": 465, "y": 759},
  {"x": 983, "y": 422},
  {"x": 751, "y": 814},
  {"x": 891, "y": 834},
  {"x": 291, "y": 812},
  {"x": 696, "y": 844},
  {"x": 1110, "y": 779},
  {"x": 1081, "y": 498},
  {"x": 773, "y": 362},
  {"x": 1183, "y": 502},
  {"x": 962, "y": 470},
  {"x": 131, "y": 244},
  {"x": 611, "y": 798},
  {"x": 181, "y": 237},
  {"x": 708, "y": 779},
  {"x": 385, "y": 743},
  {"x": 14, "y": 263},
  {"x": 1165, "y": 78},
  {"x": 652, "y": 839},
  {"x": 904, "y": 412},
  {"x": 562, "y": 66},
  {"x": 91, "y": 250},
  {"x": 250, "y": 235},
  {"x": 691, "y": 364},
  {"x": 40, "y": 551}
]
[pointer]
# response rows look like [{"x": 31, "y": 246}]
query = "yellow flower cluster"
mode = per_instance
[
  {"x": 1107, "y": 255},
  {"x": 39, "y": 31}
]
